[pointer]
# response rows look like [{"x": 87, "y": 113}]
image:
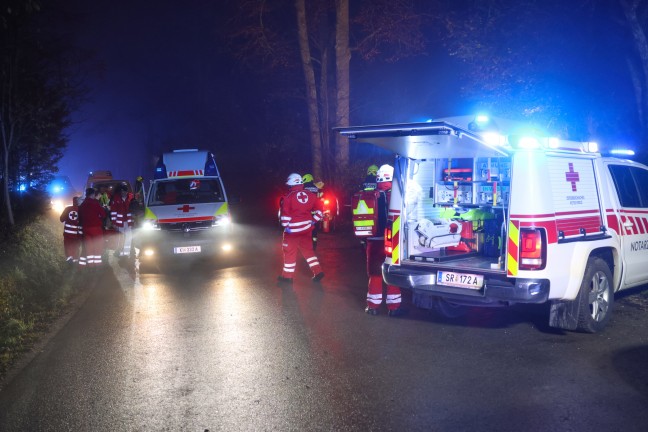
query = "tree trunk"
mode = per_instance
[
  {"x": 342, "y": 62},
  {"x": 325, "y": 116},
  {"x": 5, "y": 186},
  {"x": 641, "y": 44},
  {"x": 311, "y": 89}
]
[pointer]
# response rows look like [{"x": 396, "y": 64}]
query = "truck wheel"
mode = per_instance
[
  {"x": 448, "y": 309},
  {"x": 596, "y": 297}
]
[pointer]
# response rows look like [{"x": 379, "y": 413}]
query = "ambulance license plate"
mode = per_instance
[
  {"x": 461, "y": 280},
  {"x": 186, "y": 249}
]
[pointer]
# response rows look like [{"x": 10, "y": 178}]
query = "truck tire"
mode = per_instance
[
  {"x": 448, "y": 309},
  {"x": 596, "y": 297}
]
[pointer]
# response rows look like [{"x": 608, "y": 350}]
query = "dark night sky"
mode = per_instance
[
  {"x": 166, "y": 83},
  {"x": 163, "y": 82}
]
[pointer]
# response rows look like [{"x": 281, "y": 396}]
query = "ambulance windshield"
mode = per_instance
[{"x": 185, "y": 191}]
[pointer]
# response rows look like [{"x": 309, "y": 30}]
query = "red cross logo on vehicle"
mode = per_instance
[
  {"x": 302, "y": 197},
  {"x": 185, "y": 208},
  {"x": 572, "y": 177}
]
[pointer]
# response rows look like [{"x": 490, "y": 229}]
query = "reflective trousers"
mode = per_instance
[
  {"x": 375, "y": 259},
  {"x": 72, "y": 248},
  {"x": 302, "y": 242},
  {"x": 93, "y": 246}
]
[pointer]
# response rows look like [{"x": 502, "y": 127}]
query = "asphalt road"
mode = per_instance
[{"x": 219, "y": 347}]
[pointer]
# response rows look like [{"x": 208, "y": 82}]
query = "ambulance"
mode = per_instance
[
  {"x": 486, "y": 212},
  {"x": 186, "y": 210}
]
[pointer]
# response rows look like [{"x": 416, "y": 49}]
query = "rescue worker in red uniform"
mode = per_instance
[
  {"x": 300, "y": 211},
  {"x": 91, "y": 217},
  {"x": 72, "y": 232},
  {"x": 376, "y": 252},
  {"x": 121, "y": 218}
]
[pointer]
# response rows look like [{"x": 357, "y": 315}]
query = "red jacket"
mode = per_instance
[
  {"x": 120, "y": 213},
  {"x": 299, "y": 208},
  {"x": 91, "y": 214},
  {"x": 70, "y": 219}
]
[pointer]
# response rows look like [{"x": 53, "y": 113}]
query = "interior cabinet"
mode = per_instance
[{"x": 474, "y": 182}]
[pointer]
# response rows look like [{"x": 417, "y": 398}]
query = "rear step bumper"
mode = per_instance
[{"x": 496, "y": 291}]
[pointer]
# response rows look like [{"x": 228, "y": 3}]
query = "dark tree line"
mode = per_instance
[
  {"x": 38, "y": 93},
  {"x": 578, "y": 69}
]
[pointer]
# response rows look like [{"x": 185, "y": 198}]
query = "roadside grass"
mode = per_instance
[{"x": 35, "y": 285}]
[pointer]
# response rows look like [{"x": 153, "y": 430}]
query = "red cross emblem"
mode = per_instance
[
  {"x": 572, "y": 177},
  {"x": 302, "y": 197},
  {"x": 185, "y": 208},
  {"x": 73, "y": 215}
]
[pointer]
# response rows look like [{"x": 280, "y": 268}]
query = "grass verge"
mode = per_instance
[{"x": 35, "y": 285}]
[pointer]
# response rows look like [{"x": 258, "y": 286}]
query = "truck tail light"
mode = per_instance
[
  {"x": 533, "y": 249},
  {"x": 388, "y": 242}
]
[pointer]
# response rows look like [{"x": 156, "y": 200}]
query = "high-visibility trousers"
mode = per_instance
[
  {"x": 72, "y": 247},
  {"x": 375, "y": 259},
  {"x": 302, "y": 242},
  {"x": 93, "y": 246}
]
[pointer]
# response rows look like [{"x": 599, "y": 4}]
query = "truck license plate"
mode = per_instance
[
  {"x": 186, "y": 249},
  {"x": 461, "y": 280}
]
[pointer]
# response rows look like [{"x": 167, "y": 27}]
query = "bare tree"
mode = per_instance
[{"x": 379, "y": 29}]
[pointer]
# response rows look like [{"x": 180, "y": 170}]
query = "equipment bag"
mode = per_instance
[{"x": 365, "y": 207}]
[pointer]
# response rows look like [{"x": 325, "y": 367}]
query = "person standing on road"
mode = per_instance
[
  {"x": 376, "y": 252},
  {"x": 91, "y": 217},
  {"x": 72, "y": 232},
  {"x": 300, "y": 210},
  {"x": 122, "y": 219}
]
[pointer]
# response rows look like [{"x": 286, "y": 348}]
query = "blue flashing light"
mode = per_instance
[
  {"x": 22, "y": 187},
  {"x": 482, "y": 118},
  {"x": 622, "y": 152},
  {"x": 528, "y": 142},
  {"x": 210, "y": 166},
  {"x": 160, "y": 170}
]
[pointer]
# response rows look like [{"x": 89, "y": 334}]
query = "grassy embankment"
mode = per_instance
[{"x": 35, "y": 286}]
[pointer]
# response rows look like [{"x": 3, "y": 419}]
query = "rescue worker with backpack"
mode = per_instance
[
  {"x": 121, "y": 218},
  {"x": 91, "y": 217},
  {"x": 300, "y": 211},
  {"x": 370, "y": 181},
  {"x": 370, "y": 210},
  {"x": 72, "y": 232},
  {"x": 311, "y": 186}
]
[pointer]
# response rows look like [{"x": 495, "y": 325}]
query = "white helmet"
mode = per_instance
[
  {"x": 385, "y": 174},
  {"x": 294, "y": 179}
]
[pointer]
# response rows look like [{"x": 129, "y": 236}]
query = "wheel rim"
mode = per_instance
[{"x": 599, "y": 296}]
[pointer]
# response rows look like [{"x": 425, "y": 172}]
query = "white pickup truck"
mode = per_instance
[{"x": 541, "y": 219}]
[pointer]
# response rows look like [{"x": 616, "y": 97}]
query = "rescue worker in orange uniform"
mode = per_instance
[
  {"x": 300, "y": 211},
  {"x": 376, "y": 252},
  {"x": 121, "y": 218},
  {"x": 72, "y": 232},
  {"x": 91, "y": 217}
]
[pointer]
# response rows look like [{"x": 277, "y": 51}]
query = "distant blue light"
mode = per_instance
[
  {"x": 482, "y": 118},
  {"x": 22, "y": 188},
  {"x": 622, "y": 152}
]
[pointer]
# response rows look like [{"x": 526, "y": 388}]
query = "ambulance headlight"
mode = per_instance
[
  {"x": 221, "y": 220},
  {"x": 150, "y": 225},
  {"x": 58, "y": 205}
]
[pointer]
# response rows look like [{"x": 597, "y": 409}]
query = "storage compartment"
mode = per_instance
[{"x": 455, "y": 210}]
